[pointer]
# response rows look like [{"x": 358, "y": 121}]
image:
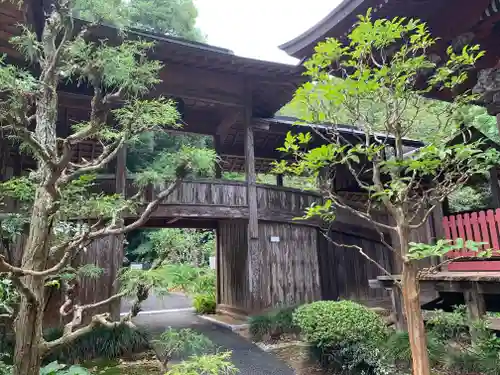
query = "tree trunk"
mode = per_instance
[
  {"x": 27, "y": 360},
  {"x": 413, "y": 311},
  {"x": 29, "y": 322}
]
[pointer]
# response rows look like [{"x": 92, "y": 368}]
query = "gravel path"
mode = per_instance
[{"x": 247, "y": 357}]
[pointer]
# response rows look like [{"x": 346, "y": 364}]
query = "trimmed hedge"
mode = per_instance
[
  {"x": 346, "y": 336},
  {"x": 330, "y": 323}
]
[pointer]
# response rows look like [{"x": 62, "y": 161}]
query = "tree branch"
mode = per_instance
[
  {"x": 337, "y": 201},
  {"x": 150, "y": 208},
  {"x": 360, "y": 250}
]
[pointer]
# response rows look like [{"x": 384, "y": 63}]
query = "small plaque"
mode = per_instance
[
  {"x": 213, "y": 263},
  {"x": 275, "y": 239},
  {"x": 136, "y": 266}
]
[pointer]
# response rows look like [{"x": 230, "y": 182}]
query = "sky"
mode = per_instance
[{"x": 255, "y": 28}]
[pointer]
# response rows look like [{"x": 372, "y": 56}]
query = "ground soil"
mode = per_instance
[{"x": 297, "y": 357}]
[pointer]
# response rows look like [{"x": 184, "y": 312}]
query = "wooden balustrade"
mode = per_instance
[
  {"x": 482, "y": 226},
  {"x": 229, "y": 196}
]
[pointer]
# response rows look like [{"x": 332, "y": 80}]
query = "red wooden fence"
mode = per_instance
[{"x": 482, "y": 226}]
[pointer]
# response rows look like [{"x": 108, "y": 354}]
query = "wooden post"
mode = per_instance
[
  {"x": 218, "y": 168},
  {"x": 217, "y": 266},
  {"x": 495, "y": 188},
  {"x": 397, "y": 307},
  {"x": 446, "y": 207},
  {"x": 118, "y": 253},
  {"x": 279, "y": 180},
  {"x": 121, "y": 171},
  {"x": 498, "y": 121},
  {"x": 476, "y": 308},
  {"x": 253, "y": 222}
]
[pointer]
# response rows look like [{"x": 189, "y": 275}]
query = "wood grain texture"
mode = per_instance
[
  {"x": 288, "y": 273},
  {"x": 233, "y": 268},
  {"x": 345, "y": 272}
]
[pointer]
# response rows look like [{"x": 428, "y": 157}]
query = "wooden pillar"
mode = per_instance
[
  {"x": 398, "y": 308},
  {"x": 118, "y": 253},
  {"x": 498, "y": 122},
  {"x": 495, "y": 188},
  {"x": 121, "y": 171},
  {"x": 446, "y": 207},
  {"x": 279, "y": 180},
  {"x": 253, "y": 222},
  {"x": 218, "y": 168},
  {"x": 476, "y": 307}
]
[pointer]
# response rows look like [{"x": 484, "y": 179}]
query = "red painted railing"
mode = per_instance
[{"x": 482, "y": 226}]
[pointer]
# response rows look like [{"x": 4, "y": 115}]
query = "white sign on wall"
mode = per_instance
[
  {"x": 275, "y": 239},
  {"x": 213, "y": 263}
]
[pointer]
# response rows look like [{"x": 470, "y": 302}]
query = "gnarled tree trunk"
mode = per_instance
[{"x": 29, "y": 322}]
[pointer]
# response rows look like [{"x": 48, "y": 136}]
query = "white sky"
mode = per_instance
[{"x": 255, "y": 28}]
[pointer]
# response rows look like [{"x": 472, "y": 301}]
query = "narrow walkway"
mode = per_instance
[{"x": 247, "y": 357}]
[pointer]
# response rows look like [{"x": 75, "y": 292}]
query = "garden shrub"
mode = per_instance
[
  {"x": 260, "y": 326},
  {"x": 204, "y": 303},
  {"x": 273, "y": 324},
  {"x": 345, "y": 335},
  {"x": 397, "y": 348},
  {"x": 5, "y": 369},
  {"x": 101, "y": 342},
  {"x": 181, "y": 342},
  {"x": 481, "y": 356},
  {"x": 330, "y": 323},
  {"x": 219, "y": 363},
  {"x": 449, "y": 325}
]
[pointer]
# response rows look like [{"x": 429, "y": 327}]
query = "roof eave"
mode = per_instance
[{"x": 301, "y": 43}]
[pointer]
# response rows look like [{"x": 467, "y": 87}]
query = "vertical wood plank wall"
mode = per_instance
[
  {"x": 345, "y": 272},
  {"x": 106, "y": 253},
  {"x": 233, "y": 287},
  {"x": 289, "y": 272}
]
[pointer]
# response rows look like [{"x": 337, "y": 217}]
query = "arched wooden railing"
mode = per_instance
[{"x": 224, "y": 199}]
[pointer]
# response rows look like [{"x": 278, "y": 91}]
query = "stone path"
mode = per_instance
[{"x": 247, "y": 357}]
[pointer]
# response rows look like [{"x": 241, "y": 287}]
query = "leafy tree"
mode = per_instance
[
  {"x": 384, "y": 65},
  {"x": 59, "y": 190},
  {"x": 177, "y": 246},
  {"x": 171, "y": 17}
]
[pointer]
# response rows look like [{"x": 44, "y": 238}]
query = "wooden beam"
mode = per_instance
[
  {"x": 226, "y": 123},
  {"x": 175, "y": 219}
]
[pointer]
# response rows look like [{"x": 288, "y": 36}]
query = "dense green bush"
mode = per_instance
[
  {"x": 346, "y": 336},
  {"x": 204, "y": 303},
  {"x": 449, "y": 325},
  {"x": 100, "y": 343},
  {"x": 5, "y": 369},
  {"x": 330, "y": 323},
  {"x": 481, "y": 356},
  {"x": 273, "y": 324},
  {"x": 397, "y": 348},
  {"x": 219, "y": 363}
]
